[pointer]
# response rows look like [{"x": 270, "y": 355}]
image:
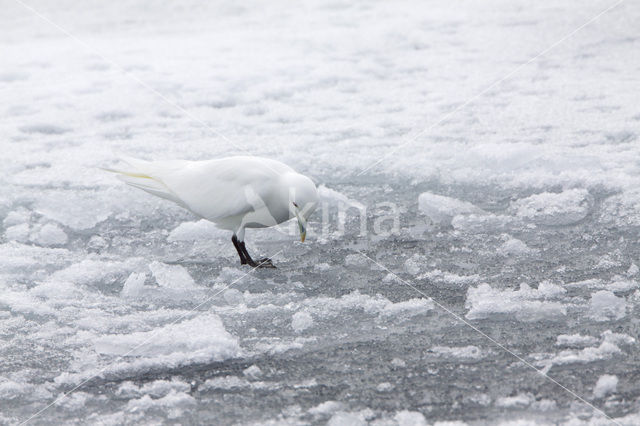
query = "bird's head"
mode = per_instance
[{"x": 303, "y": 200}]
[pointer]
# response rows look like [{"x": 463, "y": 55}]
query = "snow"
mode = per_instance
[
  {"x": 19, "y": 233},
  {"x": 633, "y": 270},
  {"x": 397, "y": 362},
  {"x": 476, "y": 224},
  {"x": 16, "y": 217},
  {"x": 326, "y": 408},
  {"x": 133, "y": 285},
  {"x": 605, "y": 385},
  {"x": 94, "y": 268},
  {"x": 50, "y": 235},
  {"x": 410, "y": 418},
  {"x": 300, "y": 321},
  {"x": 233, "y": 296},
  {"x": 349, "y": 418},
  {"x": 201, "y": 230},
  {"x": 74, "y": 402},
  {"x": 10, "y": 389},
  {"x": 175, "y": 402},
  {"x": 175, "y": 341},
  {"x": 156, "y": 388},
  {"x": 464, "y": 352},
  {"x": 525, "y": 304},
  {"x": 514, "y": 401},
  {"x": 321, "y": 267},
  {"x": 331, "y": 195},
  {"x": 513, "y": 247},
  {"x": 254, "y": 372},
  {"x": 606, "y": 306},
  {"x": 413, "y": 265},
  {"x": 575, "y": 340},
  {"x": 228, "y": 382},
  {"x": 441, "y": 209},
  {"x": 616, "y": 284},
  {"x": 450, "y": 278},
  {"x": 609, "y": 347},
  {"x": 451, "y": 423},
  {"x": 518, "y": 212},
  {"x": 77, "y": 210},
  {"x": 172, "y": 276},
  {"x": 547, "y": 208},
  {"x": 384, "y": 387}
]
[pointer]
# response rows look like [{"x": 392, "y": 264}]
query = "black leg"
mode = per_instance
[
  {"x": 236, "y": 244},
  {"x": 262, "y": 263}
]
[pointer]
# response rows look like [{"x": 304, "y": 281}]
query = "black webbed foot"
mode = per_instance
[
  {"x": 245, "y": 259},
  {"x": 261, "y": 263},
  {"x": 265, "y": 262}
]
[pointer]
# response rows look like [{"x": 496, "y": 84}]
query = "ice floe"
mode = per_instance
[
  {"x": 575, "y": 340},
  {"x": 94, "y": 268},
  {"x": 605, "y": 385},
  {"x": 19, "y": 233},
  {"x": 133, "y": 285},
  {"x": 610, "y": 345},
  {"x": 462, "y": 352},
  {"x": 547, "y": 208},
  {"x": 606, "y": 306},
  {"x": 253, "y": 372},
  {"x": 449, "y": 277},
  {"x": 525, "y": 304},
  {"x": 50, "y": 235},
  {"x": 410, "y": 418},
  {"x": 226, "y": 383},
  {"x": 484, "y": 224},
  {"x": 442, "y": 209},
  {"x": 156, "y": 388},
  {"x": 174, "y": 402},
  {"x": 201, "y": 230},
  {"x": 517, "y": 401},
  {"x": 514, "y": 248},
  {"x": 172, "y": 276},
  {"x": 301, "y": 321},
  {"x": 616, "y": 284},
  {"x": 353, "y": 418},
  {"x": 76, "y": 210},
  {"x": 203, "y": 337},
  {"x": 326, "y": 408}
]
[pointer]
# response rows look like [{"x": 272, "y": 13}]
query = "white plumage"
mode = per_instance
[{"x": 234, "y": 192}]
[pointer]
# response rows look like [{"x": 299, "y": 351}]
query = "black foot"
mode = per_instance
[
  {"x": 245, "y": 259},
  {"x": 265, "y": 262}
]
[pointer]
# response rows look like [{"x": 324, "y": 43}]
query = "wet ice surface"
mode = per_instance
[{"x": 520, "y": 215}]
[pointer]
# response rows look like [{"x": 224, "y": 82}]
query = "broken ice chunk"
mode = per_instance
[
  {"x": 19, "y": 233},
  {"x": 606, "y": 306},
  {"x": 50, "y": 235},
  {"x": 547, "y": 208},
  {"x": 442, "y": 210},
  {"x": 606, "y": 384},
  {"x": 301, "y": 321},
  {"x": 133, "y": 285},
  {"x": 172, "y": 276}
]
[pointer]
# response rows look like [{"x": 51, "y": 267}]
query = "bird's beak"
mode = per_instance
[
  {"x": 303, "y": 230},
  {"x": 302, "y": 225}
]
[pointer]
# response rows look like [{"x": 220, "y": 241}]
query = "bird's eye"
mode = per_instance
[{"x": 295, "y": 204}]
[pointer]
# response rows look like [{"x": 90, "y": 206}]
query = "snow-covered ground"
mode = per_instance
[{"x": 519, "y": 213}]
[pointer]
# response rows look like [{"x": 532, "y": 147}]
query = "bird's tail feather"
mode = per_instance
[{"x": 145, "y": 181}]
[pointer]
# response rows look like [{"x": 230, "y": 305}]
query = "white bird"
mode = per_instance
[{"x": 234, "y": 193}]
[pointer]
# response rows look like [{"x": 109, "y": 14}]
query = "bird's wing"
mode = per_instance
[{"x": 212, "y": 189}]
